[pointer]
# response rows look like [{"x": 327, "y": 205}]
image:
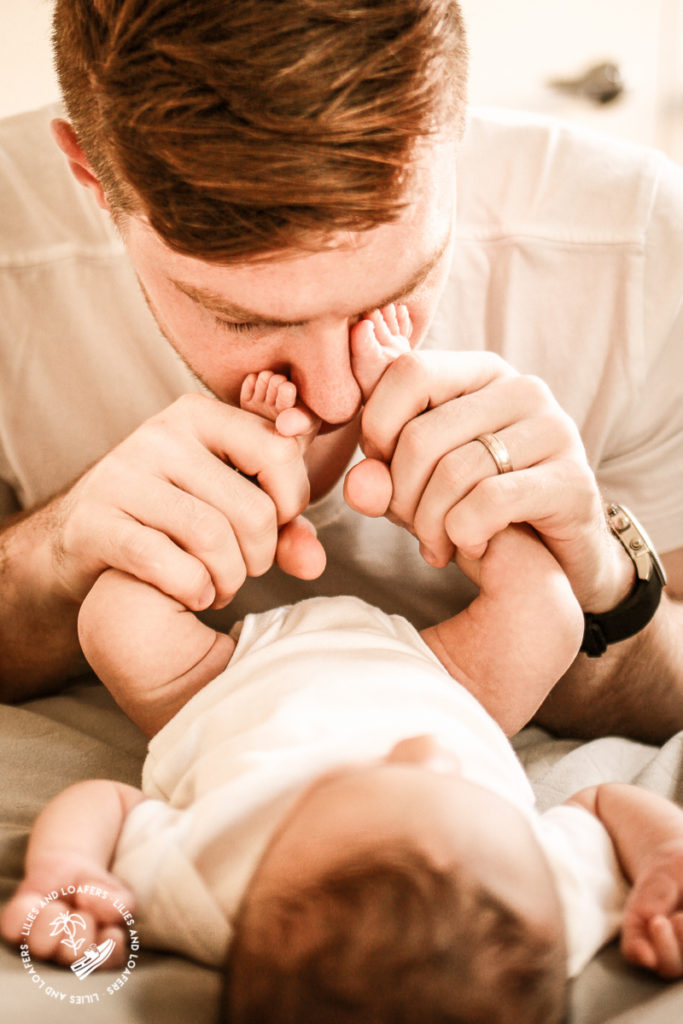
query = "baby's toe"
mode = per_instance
[
  {"x": 405, "y": 326},
  {"x": 285, "y": 395}
]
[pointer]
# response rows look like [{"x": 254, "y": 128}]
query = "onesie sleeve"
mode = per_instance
[
  {"x": 175, "y": 909},
  {"x": 590, "y": 884}
]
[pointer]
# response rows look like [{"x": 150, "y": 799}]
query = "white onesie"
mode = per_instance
[{"x": 311, "y": 686}]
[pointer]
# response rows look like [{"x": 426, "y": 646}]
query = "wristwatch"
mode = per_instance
[{"x": 634, "y": 613}]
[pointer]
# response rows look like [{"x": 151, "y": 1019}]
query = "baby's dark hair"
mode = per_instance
[{"x": 391, "y": 940}]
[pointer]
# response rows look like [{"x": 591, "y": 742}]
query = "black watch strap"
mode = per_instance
[{"x": 634, "y": 613}]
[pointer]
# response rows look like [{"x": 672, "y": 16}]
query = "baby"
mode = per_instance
[{"x": 330, "y": 808}]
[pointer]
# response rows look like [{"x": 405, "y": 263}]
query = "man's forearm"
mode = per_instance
[
  {"x": 38, "y": 641},
  {"x": 635, "y": 689}
]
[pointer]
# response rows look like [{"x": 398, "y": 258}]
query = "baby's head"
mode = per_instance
[{"x": 397, "y": 891}]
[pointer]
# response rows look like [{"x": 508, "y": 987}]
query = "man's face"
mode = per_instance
[{"x": 293, "y": 314}]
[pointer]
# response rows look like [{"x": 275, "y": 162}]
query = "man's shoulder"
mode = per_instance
[
  {"x": 526, "y": 174},
  {"x": 44, "y": 212}
]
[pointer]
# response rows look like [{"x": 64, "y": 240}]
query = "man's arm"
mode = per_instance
[
  {"x": 636, "y": 687},
  {"x": 33, "y": 607},
  {"x": 647, "y": 832}
]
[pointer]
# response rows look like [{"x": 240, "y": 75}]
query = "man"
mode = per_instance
[{"x": 275, "y": 172}]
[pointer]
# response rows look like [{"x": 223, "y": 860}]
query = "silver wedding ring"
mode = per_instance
[{"x": 498, "y": 452}]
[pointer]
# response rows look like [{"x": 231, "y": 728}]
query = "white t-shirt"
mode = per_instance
[
  {"x": 310, "y": 687},
  {"x": 568, "y": 262}
]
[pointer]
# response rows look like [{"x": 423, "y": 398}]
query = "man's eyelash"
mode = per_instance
[{"x": 235, "y": 327}]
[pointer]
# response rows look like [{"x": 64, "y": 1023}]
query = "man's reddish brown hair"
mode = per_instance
[{"x": 241, "y": 128}]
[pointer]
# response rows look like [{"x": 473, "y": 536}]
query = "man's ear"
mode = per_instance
[{"x": 65, "y": 137}]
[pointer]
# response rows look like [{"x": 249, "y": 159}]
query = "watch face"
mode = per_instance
[{"x": 635, "y": 541}]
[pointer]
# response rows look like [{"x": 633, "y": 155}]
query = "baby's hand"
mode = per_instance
[
  {"x": 274, "y": 397},
  {"x": 652, "y": 930},
  {"x": 62, "y": 927}
]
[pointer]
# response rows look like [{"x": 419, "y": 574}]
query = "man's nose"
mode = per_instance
[{"x": 321, "y": 371}]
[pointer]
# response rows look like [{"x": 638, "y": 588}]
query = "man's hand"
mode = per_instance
[
  {"x": 192, "y": 502},
  {"x": 419, "y": 431}
]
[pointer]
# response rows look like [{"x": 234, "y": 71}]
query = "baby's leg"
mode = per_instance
[
  {"x": 150, "y": 652},
  {"x": 376, "y": 341},
  {"x": 274, "y": 397}
]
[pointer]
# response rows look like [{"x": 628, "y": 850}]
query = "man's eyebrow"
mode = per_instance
[{"x": 216, "y": 303}]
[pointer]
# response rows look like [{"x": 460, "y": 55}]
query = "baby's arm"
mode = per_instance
[
  {"x": 647, "y": 832},
  {"x": 519, "y": 635},
  {"x": 71, "y": 846}
]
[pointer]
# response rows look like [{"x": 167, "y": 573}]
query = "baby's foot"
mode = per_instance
[
  {"x": 376, "y": 341},
  {"x": 274, "y": 397}
]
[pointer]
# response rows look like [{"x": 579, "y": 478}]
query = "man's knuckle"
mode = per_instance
[
  {"x": 236, "y": 576},
  {"x": 412, "y": 441},
  {"x": 426, "y": 527},
  {"x": 258, "y": 513},
  {"x": 457, "y": 471},
  {"x": 208, "y": 530},
  {"x": 497, "y": 366},
  {"x": 488, "y": 493},
  {"x": 192, "y": 578},
  {"x": 135, "y": 548},
  {"x": 536, "y": 392},
  {"x": 190, "y": 404}
]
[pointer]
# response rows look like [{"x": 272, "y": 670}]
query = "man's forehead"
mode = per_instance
[
  {"x": 283, "y": 290},
  {"x": 360, "y": 270}
]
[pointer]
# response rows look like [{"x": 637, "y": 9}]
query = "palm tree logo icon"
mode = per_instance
[{"x": 68, "y": 923}]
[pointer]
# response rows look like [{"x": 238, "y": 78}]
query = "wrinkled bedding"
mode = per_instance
[{"x": 51, "y": 742}]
